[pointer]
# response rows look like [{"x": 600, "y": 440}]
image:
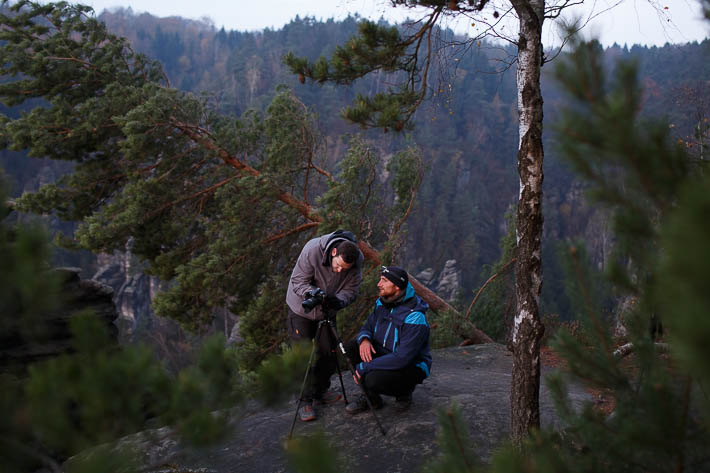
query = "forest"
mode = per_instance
[
  {"x": 460, "y": 210},
  {"x": 442, "y": 188}
]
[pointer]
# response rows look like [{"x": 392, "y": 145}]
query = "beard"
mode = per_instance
[{"x": 389, "y": 297}]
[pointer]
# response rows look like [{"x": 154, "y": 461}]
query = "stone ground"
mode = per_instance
[{"x": 477, "y": 378}]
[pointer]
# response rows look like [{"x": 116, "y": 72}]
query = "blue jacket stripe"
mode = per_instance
[
  {"x": 394, "y": 345},
  {"x": 384, "y": 340},
  {"x": 424, "y": 368}
]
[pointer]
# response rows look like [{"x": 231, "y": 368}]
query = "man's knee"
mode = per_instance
[
  {"x": 393, "y": 383},
  {"x": 298, "y": 327},
  {"x": 379, "y": 382}
]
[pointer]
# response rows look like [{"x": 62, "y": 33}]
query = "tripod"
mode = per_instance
[{"x": 328, "y": 321}]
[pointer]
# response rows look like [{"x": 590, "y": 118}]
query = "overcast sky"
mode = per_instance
[{"x": 632, "y": 22}]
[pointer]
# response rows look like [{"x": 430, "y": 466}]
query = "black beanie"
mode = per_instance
[{"x": 397, "y": 275}]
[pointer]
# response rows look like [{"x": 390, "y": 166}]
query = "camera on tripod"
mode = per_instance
[{"x": 313, "y": 298}]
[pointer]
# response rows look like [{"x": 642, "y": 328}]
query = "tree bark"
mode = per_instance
[{"x": 528, "y": 328}]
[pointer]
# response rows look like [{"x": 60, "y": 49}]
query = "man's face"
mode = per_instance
[
  {"x": 386, "y": 287},
  {"x": 337, "y": 263}
]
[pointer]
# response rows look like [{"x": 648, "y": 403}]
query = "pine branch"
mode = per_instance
[
  {"x": 194, "y": 133},
  {"x": 684, "y": 421},
  {"x": 459, "y": 443},
  {"x": 46, "y": 460}
]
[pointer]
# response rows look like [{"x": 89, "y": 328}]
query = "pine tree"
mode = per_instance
[{"x": 214, "y": 204}]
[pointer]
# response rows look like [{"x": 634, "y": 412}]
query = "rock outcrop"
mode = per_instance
[
  {"x": 477, "y": 378},
  {"x": 134, "y": 290},
  {"x": 446, "y": 285},
  {"x": 449, "y": 281},
  {"x": 425, "y": 276},
  {"x": 19, "y": 349}
]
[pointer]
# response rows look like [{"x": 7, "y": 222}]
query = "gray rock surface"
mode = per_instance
[
  {"x": 134, "y": 290},
  {"x": 446, "y": 283},
  {"x": 475, "y": 377},
  {"x": 425, "y": 276},
  {"x": 449, "y": 281}
]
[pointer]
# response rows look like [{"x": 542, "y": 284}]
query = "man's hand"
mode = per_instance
[
  {"x": 366, "y": 350},
  {"x": 333, "y": 303},
  {"x": 357, "y": 377}
]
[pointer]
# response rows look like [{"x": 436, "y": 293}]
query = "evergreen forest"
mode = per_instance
[{"x": 466, "y": 134}]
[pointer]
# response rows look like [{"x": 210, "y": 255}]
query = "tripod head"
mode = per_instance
[{"x": 330, "y": 315}]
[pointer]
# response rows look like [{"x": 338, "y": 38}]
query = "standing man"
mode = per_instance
[
  {"x": 391, "y": 353},
  {"x": 331, "y": 263}
]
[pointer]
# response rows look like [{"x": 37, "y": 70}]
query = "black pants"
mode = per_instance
[
  {"x": 300, "y": 328},
  {"x": 388, "y": 382}
]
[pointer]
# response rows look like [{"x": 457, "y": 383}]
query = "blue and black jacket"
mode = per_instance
[{"x": 401, "y": 332}]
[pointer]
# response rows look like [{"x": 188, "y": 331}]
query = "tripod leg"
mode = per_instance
[
  {"x": 342, "y": 386},
  {"x": 305, "y": 378},
  {"x": 340, "y": 376},
  {"x": 352, "y": 370}
]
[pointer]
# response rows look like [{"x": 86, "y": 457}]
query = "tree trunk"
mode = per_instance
[{"x": 528, "y": 329}]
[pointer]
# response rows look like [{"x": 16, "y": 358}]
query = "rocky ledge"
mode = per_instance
[{"x": 477, "y": 378}]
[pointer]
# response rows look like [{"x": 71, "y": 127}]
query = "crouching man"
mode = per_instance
[{"x": 391, "y": 353}]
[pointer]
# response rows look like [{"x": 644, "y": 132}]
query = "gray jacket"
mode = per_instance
[{"x": 313, "y": 270}]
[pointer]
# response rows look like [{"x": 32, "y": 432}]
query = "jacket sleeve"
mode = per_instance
[
  {"x": 368, "y": 330},
  {"x": 348, "y": 293},
  {"x": 303, "y": 272},
  {"x": 414, "y": 337}
]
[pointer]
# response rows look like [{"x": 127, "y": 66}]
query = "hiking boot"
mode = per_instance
[
  {"x": 328, "y": 397},
  {"x": 402, "y": 403},
  {"x": 306, "y": 412},
  {"x": 360, "y": 404}
]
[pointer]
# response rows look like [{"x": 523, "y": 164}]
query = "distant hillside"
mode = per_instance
[{"x": 468, "y": 132}]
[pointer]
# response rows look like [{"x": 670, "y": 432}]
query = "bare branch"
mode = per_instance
[
  {"x": 627, "y": 349},
  {"x": 412, "y": 197},
  {"x": 554, "y": 11},
  {"x": 298, "y": 229},
  {"x": 202, "y": 192},
  {"x": 478, "y": 294},
  {"x": 373, "y": 177}
]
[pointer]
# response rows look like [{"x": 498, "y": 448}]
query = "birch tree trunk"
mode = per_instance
[{"x": 528, "y": 328}]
